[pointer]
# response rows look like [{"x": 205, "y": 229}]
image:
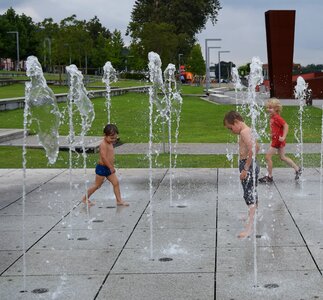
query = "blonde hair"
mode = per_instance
[{"x": 275, "y": 104}]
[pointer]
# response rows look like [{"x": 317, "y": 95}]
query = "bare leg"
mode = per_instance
[
  {"x": 116, "y": 189},
  {"x": 97, "y": 184},
  {"x": 270, "y": 153},
  {"x": 248, "y": 227},
  {"x": 286, "y": 159}
]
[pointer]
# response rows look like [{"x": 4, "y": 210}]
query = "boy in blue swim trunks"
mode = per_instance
[
  {"x": 247, "y": 165},
  {"x": 105, "y": 166}
]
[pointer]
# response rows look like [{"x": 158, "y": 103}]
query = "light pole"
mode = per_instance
[
  {"x": 49, "y": 44},
  {"x": 207, "y": 63},
  {"x": 69, "y": 50},
  {"x": 17, "y": 37},
  {"x": 179, "y": 61},
  {"x": 126, "y": 67},
  {"x": 219, "y": 57}
]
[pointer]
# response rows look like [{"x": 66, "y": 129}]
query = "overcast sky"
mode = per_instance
[{"x": 241, "y": 24}]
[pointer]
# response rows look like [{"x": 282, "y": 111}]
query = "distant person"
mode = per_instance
[
  {"x": 182, "y": 77},
  {"x": 279, "y": 131},
  {"x": 247, "y": 165},
  {"x": 105, "y": 166}
]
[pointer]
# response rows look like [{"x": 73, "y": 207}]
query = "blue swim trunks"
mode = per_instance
[{"x": 102, "y": 170}]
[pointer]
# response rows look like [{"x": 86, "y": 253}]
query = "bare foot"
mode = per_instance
[
  {"x": 122, "y": 203},
  {"x": 245, "y": 233},
  {"x": 88, "y": 202}
]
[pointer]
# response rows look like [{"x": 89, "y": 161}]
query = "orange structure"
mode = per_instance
[{"x": 188, "y": 76}]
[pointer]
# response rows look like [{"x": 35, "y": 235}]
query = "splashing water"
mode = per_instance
[
  {"x": 300, "y": 92},
  {"x": 229, "y": 156},
  {"x": 174, "y": 104},
  {"x": 78, "y": 95},
  {"x": 109, "y": 75},
  {"x": 167, "y": 100},
  {"x": 238, "y": 89},
  {"x": 174, "y": 249},
  {"x": 41, "y": 106},
  {"x": 255, "y": 108},
  {"x": 255, "y": 79},
  {"x": 155, "y": 77},
  {"x": 238, "y": 86}
]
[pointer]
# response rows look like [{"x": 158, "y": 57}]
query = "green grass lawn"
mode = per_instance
[
  {"x": 201, "y": 122},
  {"x": 11, "y": 157},
  {"x": 18, "y": 89}
]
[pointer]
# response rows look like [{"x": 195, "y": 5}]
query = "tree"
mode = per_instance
[
  {"x": 81, "y": 42},
  {"x": 96, "y": 30},
  {"x": 244, "y": 70},
  {"x": 175, "y": 21},
  {"x": 114, "y": 49},
  {"x": 195, "y": 62},
  {"x": 26, "y": 29}
]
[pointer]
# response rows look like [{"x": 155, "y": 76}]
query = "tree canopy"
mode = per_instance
[
  {"x": 168, "y": 27},
  {"x": 81, "y": 42}
]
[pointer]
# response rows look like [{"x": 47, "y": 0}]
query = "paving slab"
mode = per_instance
[
  {"x": 278, "y": 285},
  {"x": 166, "y": 245},
  {"x": 72, "y": 261},
  {"x": 51, "y": 287},
  {"x": 158, "y": 286}
]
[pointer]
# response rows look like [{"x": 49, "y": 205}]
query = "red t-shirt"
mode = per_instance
[{"x": 277, "y": 129}]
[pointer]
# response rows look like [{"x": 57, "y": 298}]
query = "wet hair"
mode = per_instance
[
  {"x": 275, "y": 104},
  {"x": 231, "y": 117},
  {"x": 110, "y": 129}
]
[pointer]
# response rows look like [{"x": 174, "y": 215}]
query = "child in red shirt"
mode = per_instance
[{"x": 279, "y": 130}]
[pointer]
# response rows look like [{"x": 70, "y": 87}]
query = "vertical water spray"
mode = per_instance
[
  {"x": 40, "y": 108},
  {"x": 78, "y": 96},
  {"x": 156, "y": 78},
  {"x": 300, "y": 92},
  {"x": 43, "y": 109},
  {"x": 238, "y": 87},
  {"x": 255, "y": 79},
  {"x": 174, "y": 105},
  {"x": 109, "y": 75}
]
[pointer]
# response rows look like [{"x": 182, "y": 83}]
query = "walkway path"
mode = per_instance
[{"x": 92, "y": 143}]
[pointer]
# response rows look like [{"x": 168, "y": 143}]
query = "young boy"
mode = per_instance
[
  {"x": 105, "y": 166},
  {"x": 247, "y": 146},
  {"x": 279, "y": 130}
]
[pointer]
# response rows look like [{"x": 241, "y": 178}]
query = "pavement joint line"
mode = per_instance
[
  {"x": 125, "y": 243},
  {"x": 299, "y": 231},
  {"x": 216, "y": 229},
  {"x": 37, "y": 187},
  {"x": 49, "y": 230}
]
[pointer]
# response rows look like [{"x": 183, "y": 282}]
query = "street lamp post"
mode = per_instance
[
  {"x": 219, "y": 57},
  {"x": 69, "y": 51},
  {"x": 207, "y": 79},
  {"x": 208, "y": 62},
  {"x": 179, "y": 61},
  {"x": 126, "y": 67},
  {"x": 48, "y": 40},
  {"x": 17, "y": 38}
]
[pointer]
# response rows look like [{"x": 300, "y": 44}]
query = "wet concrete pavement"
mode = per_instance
[{"x": 183, "y": 246}]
